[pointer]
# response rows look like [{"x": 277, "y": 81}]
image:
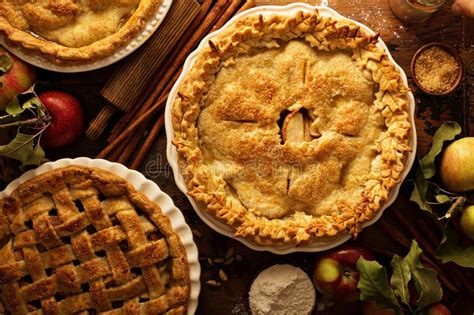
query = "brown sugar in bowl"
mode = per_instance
[{"x": 433, "y": 70}]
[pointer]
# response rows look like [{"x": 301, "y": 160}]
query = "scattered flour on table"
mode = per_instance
[{"x": 282, "y": 290}]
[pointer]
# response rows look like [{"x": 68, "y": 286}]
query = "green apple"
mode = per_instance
[
  {"x": 457, "y": 165},
  {"x": 467, "y": 222},
  {"x": 17, "y": 79},
  {"x": 336, "y": 275}
]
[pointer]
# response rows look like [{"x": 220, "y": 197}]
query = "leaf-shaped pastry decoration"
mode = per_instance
[{"x": 446, "y": 132}]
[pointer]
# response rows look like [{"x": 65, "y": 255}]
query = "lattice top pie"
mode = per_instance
[
  {"x": 74, "y": 30},
  {"x": 83, "y": 241},
  {"x": 292, "y": 129}
]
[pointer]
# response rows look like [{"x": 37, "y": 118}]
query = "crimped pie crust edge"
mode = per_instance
[
  {"x": 391, "y": 101},
  {"x": 101, "y": 49}
]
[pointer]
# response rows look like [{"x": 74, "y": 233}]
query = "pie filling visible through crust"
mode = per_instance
[
  {"x": 292, "y": 129},
  {"x": 74, "y": 30},
  {"x": 82, "y": 240}
]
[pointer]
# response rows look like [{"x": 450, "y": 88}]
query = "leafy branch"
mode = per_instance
[
  {"x": 374, "y": 284},
  {"x": 28, "y": 115},
  {"x": 439, "y": 203}
]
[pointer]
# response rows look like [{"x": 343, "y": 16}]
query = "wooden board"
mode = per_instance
[
  {"x": 402, "y": 40},
  {"x": 139, "y": 72}
]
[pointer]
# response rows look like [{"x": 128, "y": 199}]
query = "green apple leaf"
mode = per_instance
[
  {"x": 37, "y": 156},
  {"x": 418, "y": 195},
  {"x": 5, "y": 63},
  {"x": 426, "y": 281},
  {"x": 373, "y": 284},
  {"x": 14, "y": 107},
  {"x": 441, "y": 198},
  {"x": 401, "y": 276},
  {"x": 33, "y": 102},
  {"x": 450, "y": 250},
  {"x": 446, "y": 132},
  {"x": 20, "y": 148},
  {"x": 428, "y": 286}
]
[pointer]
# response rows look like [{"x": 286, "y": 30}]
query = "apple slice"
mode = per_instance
[{"x": 293, "y": 128}]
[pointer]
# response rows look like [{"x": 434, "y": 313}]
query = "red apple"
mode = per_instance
[
  {"x": 336, "y": 275},
  {"x": 19, "y": 78},
  {"x": 67, "y": 118},
  {"x": 437, "y": 309},
  {"x": 371, "y": 308}
]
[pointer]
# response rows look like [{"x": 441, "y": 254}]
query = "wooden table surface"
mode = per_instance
[{"x": 402, "y": 40}]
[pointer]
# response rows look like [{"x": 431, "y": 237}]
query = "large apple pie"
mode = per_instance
[
  {"x": 70, "y": 30},
  {"x": 292, "y": 129},
  {"x": 82, "y": 240}
]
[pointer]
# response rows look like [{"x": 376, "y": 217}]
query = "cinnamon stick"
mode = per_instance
[
  {"x": 430, "y": 251},
  {"x": 132, "y": 127},
  {"x": 136, "y": 139},
  {"x": 402, "y": 240},
  {"x": 424, "y": 244},
  {"x": 182, "y": 53},
  {"x": 248, "y": 5},
  {"x": 152, "y": 135},
  {"x": 229, "y": 12},
  {"x": 201, "y": 15},
  {"x": 426, "y": 230},
  {"x": 127, "y": 117},
  {"x": 133, "y": 143},
  {"x": 114, "y": 155},
  {"x": 394, "y": 234},
  {"x": 148, "y": 142}
]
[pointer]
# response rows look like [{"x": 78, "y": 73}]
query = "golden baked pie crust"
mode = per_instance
[
  {"x": 97, "y": 50},
  {"x": 249, "y": 36},
  {"x": 81, "y": 239}
]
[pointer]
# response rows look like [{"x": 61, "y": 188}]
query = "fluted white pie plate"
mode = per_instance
[
  {"x": 172, "y": 154},
  {"x": 142, "y": 185},
  {"x": 44, "y": 63}
]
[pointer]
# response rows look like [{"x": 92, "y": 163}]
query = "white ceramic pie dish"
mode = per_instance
[
  {"x": 152, "y": 191},
  {"x": 135, "y": 43},
  {"x": 172, "y": 154}
]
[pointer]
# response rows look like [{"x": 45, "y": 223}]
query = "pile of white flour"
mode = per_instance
[{"x": 282, "y": 290}]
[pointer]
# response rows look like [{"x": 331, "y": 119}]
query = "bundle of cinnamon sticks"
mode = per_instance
[
  {"x": 428, "y": 235},
  {"x": 135, "y": 132}
]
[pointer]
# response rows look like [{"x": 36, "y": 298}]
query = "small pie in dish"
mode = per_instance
[
  {"x": 82, "y": 240},
  {"x": 292, "y": 129},
  {"x": 75, "y": 31}
]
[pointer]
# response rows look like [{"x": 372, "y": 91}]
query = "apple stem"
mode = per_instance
[
  {"x": 28, "y": 122},
  {"x": 459, "y": 201}
]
